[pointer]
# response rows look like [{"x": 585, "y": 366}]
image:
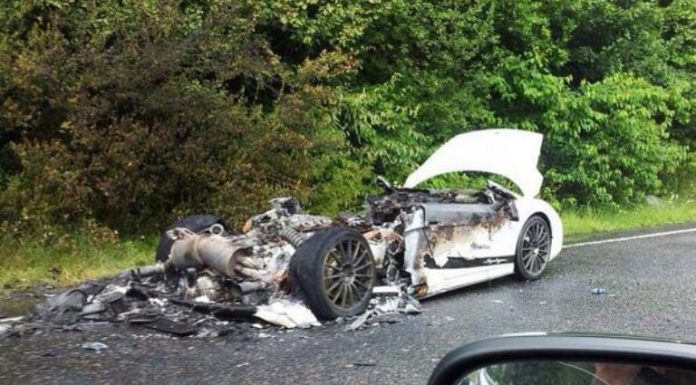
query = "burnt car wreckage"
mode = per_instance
[{"x": 409, "y": 244}]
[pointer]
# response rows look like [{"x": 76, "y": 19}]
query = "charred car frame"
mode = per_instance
[{"x": 410, "y": 243}]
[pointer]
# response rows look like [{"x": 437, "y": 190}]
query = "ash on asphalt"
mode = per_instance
[{"x": 649, "y": 285}]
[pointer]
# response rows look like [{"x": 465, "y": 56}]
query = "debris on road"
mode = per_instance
[
  {"x": 288, "y": 314},
  {"x": 213, "y": 275},
  {"x": 95, "y": 346},
  {"x": 360, "y": 364},
  {"x": 383, "y": 306},
  {"x": 171, "y": 327},
  {"x": 11, "y": 320},
  {"x": 599, "y": 291}
]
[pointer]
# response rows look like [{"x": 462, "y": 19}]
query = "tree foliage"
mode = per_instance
[{"x": 128, "y": 114}]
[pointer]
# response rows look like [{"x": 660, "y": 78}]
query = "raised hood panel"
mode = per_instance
[{"x": 511, "y": 153}]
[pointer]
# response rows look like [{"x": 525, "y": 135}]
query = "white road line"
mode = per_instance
[{"x": 623, "y": 239}]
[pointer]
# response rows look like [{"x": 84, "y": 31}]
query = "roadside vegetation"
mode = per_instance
[
  {"x": 35, "y": 262},
  {"x": 118, "y": 117},
  {"x": 586, "y": 223}
]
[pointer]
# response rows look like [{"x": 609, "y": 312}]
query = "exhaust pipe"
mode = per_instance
[{"x": 233, "y": 259}]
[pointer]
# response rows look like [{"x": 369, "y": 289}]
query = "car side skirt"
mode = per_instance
[{"x": 444, "y": 280}]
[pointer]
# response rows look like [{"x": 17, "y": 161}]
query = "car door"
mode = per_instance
[{"x": 468, "y": 244}]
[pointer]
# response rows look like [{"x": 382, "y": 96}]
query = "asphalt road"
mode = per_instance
[{"x": 651, "y": 291}]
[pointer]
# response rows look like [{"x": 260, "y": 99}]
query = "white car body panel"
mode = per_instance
[
  {"x": 511, "y": 153},
  {"x": 444, "y": 280},
  {"x": 490, "y": 252},
  {"x": 504, "y": 243}
]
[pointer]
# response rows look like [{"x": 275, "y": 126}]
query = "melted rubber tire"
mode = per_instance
[
  {"x": 306, "y": 272},
  {"x": 195, "y": 223},
  {"x": 521, "y": 272}
]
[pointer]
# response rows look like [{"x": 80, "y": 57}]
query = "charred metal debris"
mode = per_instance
[{"x": 289, "y": 268}]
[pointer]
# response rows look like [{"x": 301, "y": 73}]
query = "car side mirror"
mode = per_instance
[{"x": 568, "y": 360}]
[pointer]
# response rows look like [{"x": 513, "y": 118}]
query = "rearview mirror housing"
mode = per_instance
[{"x": 468, "y": 359}]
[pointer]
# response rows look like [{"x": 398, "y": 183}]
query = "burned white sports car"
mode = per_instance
[{"x": 410, "y": 241}]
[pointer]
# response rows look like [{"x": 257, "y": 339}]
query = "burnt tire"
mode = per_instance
[
  {"x": 335, "y": 271},
  {"x": 196, "y": 223},
  {"x": 533, "y": 249}
]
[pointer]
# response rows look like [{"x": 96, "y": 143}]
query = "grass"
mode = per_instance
[
  {"x": 580, "y": 224},
  {"x": 30, "y": 263}
]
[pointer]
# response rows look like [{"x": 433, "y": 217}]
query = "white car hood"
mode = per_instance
[{"x": 511, "y": 153}]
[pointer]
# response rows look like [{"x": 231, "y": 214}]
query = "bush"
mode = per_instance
[
  {"x": 123, "y": 116},
  {"x": 609, "y": 143},
  {"x": 161, "y": 112}
]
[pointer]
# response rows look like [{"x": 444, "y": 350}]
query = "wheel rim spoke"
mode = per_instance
[
  {"x": 528, "y": 262},
  {"x": 527, "y": 257},
  {"x": 362, "y": 267},
  {"x": 332, "y": 277},
  {"x": 351, "y": 294},
  {"x": 344, "y": 294},
  {"x": 359, "y": 282},
  {"x": 332, "y": 267},
  {"x": 335, "y": 258},
  {"x": 532, "y": 267},
  {"x": 330, "y": 291},
  {"x": 354, "y": 254},
  {"x": 342, "y": 297},
  {"x": 361, "y": 257},
  {"x": 341, "y": 248}
]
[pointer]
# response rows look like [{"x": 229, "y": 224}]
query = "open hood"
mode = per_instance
[{"x": 511, "y": 153}]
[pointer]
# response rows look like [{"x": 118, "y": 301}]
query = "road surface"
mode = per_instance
[{"x": 650, "y": 291}]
